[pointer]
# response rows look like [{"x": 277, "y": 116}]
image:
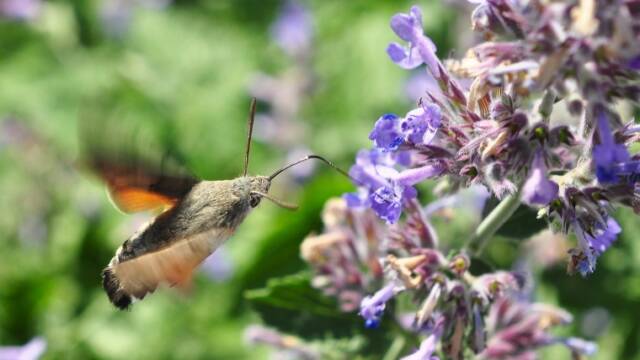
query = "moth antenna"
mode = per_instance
[
  {"x": 309, "y": 157},
  {"x": 252, "y": 115},
  {"x": 280, "y": 203}
]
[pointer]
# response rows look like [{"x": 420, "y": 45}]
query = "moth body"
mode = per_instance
[{"x": 169, "y": 248}]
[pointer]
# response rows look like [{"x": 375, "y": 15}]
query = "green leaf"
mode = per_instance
[{"x": 291, "y": 305}]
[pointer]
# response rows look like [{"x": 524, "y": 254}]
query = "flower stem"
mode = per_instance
[
  {"x": 395, "y": 349},
  {"x": 490, "y": 224}
]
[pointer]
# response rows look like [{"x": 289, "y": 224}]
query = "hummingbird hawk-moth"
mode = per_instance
[{"x": 197, "y": 217}]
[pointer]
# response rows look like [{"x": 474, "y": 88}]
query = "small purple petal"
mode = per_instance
[
  {"x": 538, "y": 189},
  {"x": 386, "y": 133},
  {"x": 591, "y": 247},
  {"x": 420, "y": 125},
  {"x": 372, "y": 307},
  {"x": 29, "y": 351},
  {"x": 413, "y": 176},
  {"x": 428, "y": 345},
  {"x": 608, "y": 155},
  {"x": 404, "y": 57},
  {"x": 634, "y": 63},
  {"x": 580, "y": 346},
  {"x": 603, "y": 241},
  {"x": 387, "y": 203}
]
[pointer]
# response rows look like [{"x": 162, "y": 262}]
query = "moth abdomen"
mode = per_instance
[{"x": 114, "y": 290}]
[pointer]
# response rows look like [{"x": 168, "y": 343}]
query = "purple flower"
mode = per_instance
[
  {"x": 580, "y": 346},
  {"x": 387, "y": 201},
  {"x": 413, "y": 176},
  {"x": 428, "y": 345},
  {"x": 608, "y": 156},
  {"x": 29, "y": 351},
  {"x": 538, "y": 189},
  {"x": 634, "y": 63},
  {"x": 367, "y": 166},
  {"x": 420, "y": 125},
  {"x": 372, "y": 307},
  {"x": 421, "y": 49},
  {"x": 20, "y": 9},
  {"x": 293, "y": 30},
  {"x": 218, "y": 266},
  {"x": 592, "y": 246},
  {"x": 386, "y": 133}
]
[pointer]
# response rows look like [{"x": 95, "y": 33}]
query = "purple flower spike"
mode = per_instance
[
  {"x": 538, "y": 189},
  {"x": 420, "y": 125},
  {"x": 608, "y": 155},
  {"x": 372, "y": 307},
  {"x": 408, "y": 27},
  {"x": 386, "y": 132}
]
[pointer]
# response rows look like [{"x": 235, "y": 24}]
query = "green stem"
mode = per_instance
[
  {"x": 489, "y": 225},
  {"x": 395, "y": 349}
]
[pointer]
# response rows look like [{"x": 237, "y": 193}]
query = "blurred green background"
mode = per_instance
[{"x": 185, "y": 70}]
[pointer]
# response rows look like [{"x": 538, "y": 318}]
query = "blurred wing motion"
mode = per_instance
[
  {"x": 129, "y": 279},
  {"x": 123, "y": 151},
  {"x": 138, "y": 187}
]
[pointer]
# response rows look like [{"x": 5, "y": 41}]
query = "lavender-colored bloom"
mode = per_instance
[
  {"x": 387, "y": 202},
  {"x": 218, "y": 266},
  {"x": 608, "y": 155},
  {"x": 634, "y": 63},
  {"x": 293, "y": 30},
  {"x": 386, "y": 133},
  {"x": 413, "y": 176},
  {"x": 538, "y": 189},
  {"x": 580, "y": 346},
  {"x": 20, "y": 9},
  {"x": 366, "y": 170},
  {"x": 421, "y": 49},
  {"x": 426, "y": 350},
  {"x": 29, "y": 351},
  {"x": 420, "y": 125},
  {"x": 372, "y": 307},
  {"x": 428, "y": 345},
  {"x": 593, "y": 246}
]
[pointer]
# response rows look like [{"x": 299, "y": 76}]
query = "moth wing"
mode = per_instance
[
  {"x": 133, "y": 152},
  {"x": 172, "y": 265},
  {"x": 139, "y": 187}
]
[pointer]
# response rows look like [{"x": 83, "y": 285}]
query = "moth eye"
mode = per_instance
[{"x": 254, "y": 201}]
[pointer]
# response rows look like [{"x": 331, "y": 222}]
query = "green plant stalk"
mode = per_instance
[
  {"x": 490, "y": 224},
  {"x": 395, "y": 349}
]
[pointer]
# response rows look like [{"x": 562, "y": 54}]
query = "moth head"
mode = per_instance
[{"x": 258, "y": 187}]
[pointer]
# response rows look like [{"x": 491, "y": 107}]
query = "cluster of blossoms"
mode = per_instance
[
  {"x": 540, "y": 120},
  {"x": 535, "y": 123},
  {"x": 487, "y": 315}
]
